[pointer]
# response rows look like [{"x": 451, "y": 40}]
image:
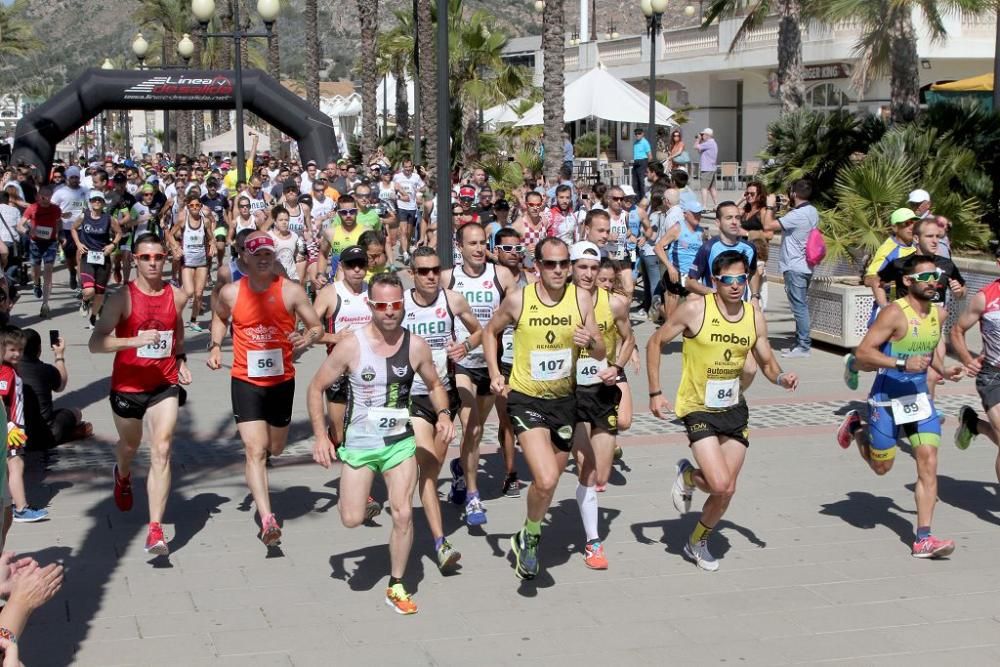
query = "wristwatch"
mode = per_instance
[{"x": 901, "y": 364}]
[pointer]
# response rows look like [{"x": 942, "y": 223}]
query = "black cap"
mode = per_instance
[
  {"x": 354, "y": 253},
  {"x": 501, "y": 205},
  {"x": 119, "y": 178}
]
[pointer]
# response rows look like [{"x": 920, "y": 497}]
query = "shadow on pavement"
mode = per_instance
[
  {"x": 675, "y": 534},
  {"x": 867, "y": 511},
  {"x": 981, "y": 499}
]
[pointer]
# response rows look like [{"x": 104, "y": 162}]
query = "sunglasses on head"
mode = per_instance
[
  {"x": 552, "y": 264},
  {"x": 347, "y": 211},
  {"x": 740, "y": 279},
  {"x": 428, "y": 270},
  {"x": 926, "y": 276},
  {"x": 151, "y": 257},
  {"x": 511, "y": 248},
  {"x": 384, "y": 306}
]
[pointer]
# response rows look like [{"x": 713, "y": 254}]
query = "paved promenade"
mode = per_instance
[{"x": 814, "y": 552}]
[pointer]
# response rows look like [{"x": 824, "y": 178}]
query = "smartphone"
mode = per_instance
[{"x": 53, "y": 336}]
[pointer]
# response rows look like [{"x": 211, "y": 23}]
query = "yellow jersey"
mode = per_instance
[
  {"x": 587, "y": 367},
  {"x": 544, "y": 353},
  {"x": 712, "y": 360}
]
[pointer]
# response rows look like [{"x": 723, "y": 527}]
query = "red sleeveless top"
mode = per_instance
[
  {"x": 149, "y": 367},
  {"x": 262, "y": 353}
]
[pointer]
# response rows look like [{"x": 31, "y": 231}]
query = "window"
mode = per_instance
[{"x": 826, "y": 96}]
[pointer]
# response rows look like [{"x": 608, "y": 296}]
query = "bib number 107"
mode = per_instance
[{"x": 550, "y": 365}]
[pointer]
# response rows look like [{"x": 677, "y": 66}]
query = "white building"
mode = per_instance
[{"x": 736, "y": 94}]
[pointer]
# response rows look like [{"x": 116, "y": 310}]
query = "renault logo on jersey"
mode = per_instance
[
  {"x": 368, "y": 374},
  {"x": 550, "y": 337},
  {"x": 727, "y": 355}
]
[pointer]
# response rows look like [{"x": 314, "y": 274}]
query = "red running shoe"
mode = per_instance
[
  {"x": 932, "y": 547},
  {"x": 270, "y": 533},
  {"x": 155, "y": 542},
  {"x": 123, "y": 491}
]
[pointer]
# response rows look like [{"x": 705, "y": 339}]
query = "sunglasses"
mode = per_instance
[
  {"x": 151, "y": 257},
  {"x": 428, "y": 270},
  {"x": 511, "y": 248},
  {"x": 552, "y": 264},
  {"x": 539, "y": 205},
  {"x": 384, "y": 306},
  {"x": 347, "y": 211},
  {"x": 244, "y": 205},
  {"x": 616, "y": 198},
  {"x": 926, "y": 276},
  {"x": 356, "y": 264},
  {"x": 740, "y": 279}
]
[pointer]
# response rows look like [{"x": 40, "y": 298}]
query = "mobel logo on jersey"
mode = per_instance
[
  {"x": 551, "y": 321},
  {"x": 730, "y": 338}
]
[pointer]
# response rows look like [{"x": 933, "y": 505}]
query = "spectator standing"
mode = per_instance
[
  {"x": 568, "y": 156},
  {"x": 641, "y": 154},
  {"x": 708, "y": 163}
]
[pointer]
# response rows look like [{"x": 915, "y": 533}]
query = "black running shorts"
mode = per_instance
[
  {"x": 272, "y": 404},
  {"x": 558, "y": 415}
]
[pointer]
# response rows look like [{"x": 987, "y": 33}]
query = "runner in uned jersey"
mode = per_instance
[
  {"x": 342, "y": 306},
  {"x": 902, "y": 344},
  {"x": 382, "y": 360},
  {"x": 434, "y": 314},
  {"x": 263, "y": 308},
  {"x": 984, "y": 309},
  {"x": 597, "y": 395},
  {"x": 483, "y": 285},
  {"x": 510, "y": 254},
  {"x": 720, "y": 330},
  {"x": 552, "y": 322},
  {"x": 143, "y": 327}
]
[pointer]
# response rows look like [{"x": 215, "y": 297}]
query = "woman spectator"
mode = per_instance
[
  {"x": 752, "y": 205},
  {"x": 677, "y": 155}
]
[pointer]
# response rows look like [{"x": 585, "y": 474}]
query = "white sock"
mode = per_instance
[{"x": 586, "y": 498}]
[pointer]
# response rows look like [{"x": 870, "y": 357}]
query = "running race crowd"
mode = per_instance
[{"x": 534, "y": 320}]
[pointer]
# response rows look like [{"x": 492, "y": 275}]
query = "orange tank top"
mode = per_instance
[{"x": 262, "y": 353}]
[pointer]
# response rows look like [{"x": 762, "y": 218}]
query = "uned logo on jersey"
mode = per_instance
[{"x": 368, "y": 374}]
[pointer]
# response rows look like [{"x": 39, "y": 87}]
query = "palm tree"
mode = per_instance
[
  {"x": 428, "y": 111},
  {"x": 313, "y": 51},
  {"x": 368, "y": 24},
  {"x": 17, "y": 37},
  {"x": 553, "y": 49},
  {"x": 171, "y": 18},
  {"x": 395, "y": 49},
  {"x": 792, "y": 13},
  {"x": 888, "y": 42}
]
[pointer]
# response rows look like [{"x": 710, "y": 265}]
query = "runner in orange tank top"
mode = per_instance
[
  {"x": 142, "y": 325},
  {"x": 263, "y": 308}
]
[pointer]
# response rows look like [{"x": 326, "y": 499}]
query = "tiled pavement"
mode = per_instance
[{"x": 814, "y": 553}]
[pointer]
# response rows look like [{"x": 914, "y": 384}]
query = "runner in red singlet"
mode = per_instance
[
  {"x": 263, "y": 308},
  {"x": 142, "y": 325}
]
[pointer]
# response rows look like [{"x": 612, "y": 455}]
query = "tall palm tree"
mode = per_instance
[
  {"x": 792, "y": 13},
  {"x": 428, "y": 110},
  {"x": 395, "y": 49},
  {"x": 313, "y": 52},
  {"x": 888, "y": 42},
  {"x": 553, "y": 49},
  {"x": 368, "y": 24},
  {"x": 17, "y": 37}
]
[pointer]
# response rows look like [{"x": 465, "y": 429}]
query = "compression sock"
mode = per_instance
[
  {"x": 586, "y": 498},
  {"x": 532, "y": 527},
  {"x": 923, "y": 532},
  {"x": 701, "y": 532}
]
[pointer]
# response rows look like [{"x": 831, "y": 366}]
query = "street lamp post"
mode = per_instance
[
  {"x": 203, "y": 10},
  {"x": 107, "y": 64},
  {"x": 417, "y": 129},
  {"x": 653, "y": 10}
]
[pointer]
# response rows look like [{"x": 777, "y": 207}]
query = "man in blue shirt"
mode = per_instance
[
  {"x": 641, "y": 153},
  {"x": 699, "y": 279}
]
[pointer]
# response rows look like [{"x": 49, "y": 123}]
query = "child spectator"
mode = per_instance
[{"x": 12, "y": 395}]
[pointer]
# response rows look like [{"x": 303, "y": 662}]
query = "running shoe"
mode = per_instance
[
  {"x": 123, "y": 491},
  {"x": 680, "y": 492},
  {"x": 84, "y": 309},
  {"x": 30, "y": 515},
  {"x": 968, "y": 425},
  {"x": 372, "y": 509},
  {"x": 796, "y": 353},
  {"x": 700, "y": 554},
  {"x": 929, "y": 547},
  {"x": 195, "y": 327},
  {"x": 448, "y": 556},
  {"x": 845, "y": 432},
  {"x": 511, "y": 486},
  {"x": 270, "y": 533},
  {"x": 525, "y": 548},
  {"x": 44, "y": 311},
  {"x": 72, "y": 281},
  {"x": 850, "y": 373},
  {"x": 92, "y": 322},
  {"x": 457, "y": 493},
  {"x": 593, "y": 556},
  {"x": 156, "y": 544},
  {"x": 475, "y": 513},
  {"x": 38, "y": 290},
  {"x": 400, "y": 601}
]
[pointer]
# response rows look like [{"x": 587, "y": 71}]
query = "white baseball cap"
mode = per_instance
[
  {"x": 584, "y": 250},
  {"x": 918, "y": 197},
  {"x": 627, "y": 190},
  {"x": 708, "y": 131}
]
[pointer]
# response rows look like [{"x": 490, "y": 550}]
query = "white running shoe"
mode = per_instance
[
  {"x": 700, "y": 555},
  {"x": 680, "y": 492}
]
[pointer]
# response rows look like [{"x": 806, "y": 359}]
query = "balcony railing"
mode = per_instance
[
  {"x": 692, "y": 41},
  {"x": 620, "y": 51}
]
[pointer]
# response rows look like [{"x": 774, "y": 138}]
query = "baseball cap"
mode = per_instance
[
  {"x": 311, "y": 162},
  {"x": 915, "y": 197},
  {"x": 258, "y": 243},
  {"x": 73, "y": 171},
  {"x": 690, "y": 205},
  {"x": 354, "y": 253},
  {"x": 147, "y": 188},
  {"x": 584, "y": 250},
  {"x": 467, "y": 192},
  {"x": 501, "y": 205},
  {"x": 96, "y": 194},
  {"x": 708, "y": 131},
  {"x": 902, "y": 215},
  {"x": 627, "y": 190}
]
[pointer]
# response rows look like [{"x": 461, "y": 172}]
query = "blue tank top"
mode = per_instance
[
  {"x": 95, "y": 234},
  {"x": 683, "y": 250}
]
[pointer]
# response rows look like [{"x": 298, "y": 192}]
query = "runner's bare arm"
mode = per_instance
[
  {"x": 423, "y": 365},
  {"x": 587, "y": 334},
  {"x": 890, "y": 323},
  {"x": 619, "y": 308},
  {"x": 507, "y": 313},
  {"x": 661, "y": 247},
  {"x": 336, "y": 364},
  {"x": 298, "y": 302},
  {"x": 765, "y": 355},
  {"x": 180, "y": 300},
  {"x": 221, "y": 312},
  {"x": 684, "y": 318},
  {"x": 953, "y": 373},
  {"x": 967, "y": 320},
  {"x": 103, "y": 340},
  {"x": 458, "y": 350},
  {"x": 325, "y": 305}
]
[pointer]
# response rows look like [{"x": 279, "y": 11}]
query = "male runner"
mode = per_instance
[
  {"x": 142, "y": 325},
  {"x": 42, "y": 218},
  {"x": 431, "y": 313},
  {"x": 901, "y": 345},
  {"x": 72, "y": 199},
  {"x": 343, "y": 233},
  {"x": 382, "y": 360},
  {"x": 597, "y": 230},
  {"x": 483, "y": 285},
  {"x": 597, "y": 395},
  {"x": 263, "y": 308},
  {"x": 720, "y": 331},
  {"x": 553, "y": 321}
]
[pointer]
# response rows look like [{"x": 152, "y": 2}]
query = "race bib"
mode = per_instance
[
  {"x": 587, "y": 369},
  {"x": 95, "y": 257},
  {"x": 265, "y": 363},
  {"x": 722, "y": 393},
  {"x": 440, "y": 358},
  {"x": 909, "y": 409},
  {"x": 159, "y": 350},
  {"x": 43, "y": 233},
  {"x": 507, "y": 341},
  {"x": 549, "y": 366},
  {"x": 388, "y": 421}
]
